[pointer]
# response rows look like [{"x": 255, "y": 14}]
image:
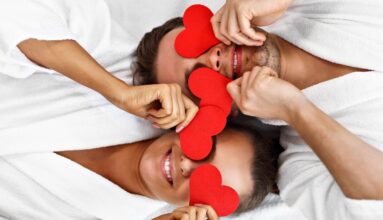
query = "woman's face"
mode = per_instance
[{"x": 166, "y": 170}]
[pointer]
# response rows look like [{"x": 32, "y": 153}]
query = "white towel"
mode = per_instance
[
  {"x": 44, "y": 111},
  {"x": 348, "y": 32},
  {"x": 356, "y": 102}
]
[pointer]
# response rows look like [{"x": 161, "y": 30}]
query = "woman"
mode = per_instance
[{"x": 158, "y": 169}]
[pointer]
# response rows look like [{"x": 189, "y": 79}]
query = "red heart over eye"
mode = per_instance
[
  {"x": 198, "y": 35},
  {"x": 206, "y": 188},
  {"x": 210, "y": 87},
  {"x": 196, "y": 139}
]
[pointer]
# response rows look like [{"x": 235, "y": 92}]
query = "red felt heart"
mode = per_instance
[
  {"x": 198, "y": 35},
  {"x": 196, "y": 138},
  {"x": 210, "y": 87},
  {"x": 206, "y": 188}
]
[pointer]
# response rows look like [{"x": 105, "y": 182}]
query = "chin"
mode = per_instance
[{"x": 266, "y": 55}]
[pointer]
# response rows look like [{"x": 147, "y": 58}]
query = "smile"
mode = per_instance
[
  {"x": 237, "y": 61},
  {"x": 166, "y": 168}
]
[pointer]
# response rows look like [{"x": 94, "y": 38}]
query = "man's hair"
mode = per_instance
[
  {"x": 264, "y": 164},
  {"x": 263, "y": 168},
  {"x": 145, "y": 55}
]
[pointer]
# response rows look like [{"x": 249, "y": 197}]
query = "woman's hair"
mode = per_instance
[
  {"x": 145, "y": 55},
  {"x": 266, "y": 149},
  {"x": 264, "y": 164}
]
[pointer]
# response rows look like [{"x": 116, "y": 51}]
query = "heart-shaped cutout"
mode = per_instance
[
  {"x": 198, "y": 35},
  {"x": 196, "y": 138},
  {"x": 210, "y": 87},
  {"x": 206, "y": 188}
]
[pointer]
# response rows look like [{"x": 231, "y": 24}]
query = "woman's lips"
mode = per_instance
[
  {"x": 166, "y": 167},
  {"x": 237, "y": 61}
]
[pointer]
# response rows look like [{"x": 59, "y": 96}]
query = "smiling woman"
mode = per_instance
[{"x": 158, "y": 169}]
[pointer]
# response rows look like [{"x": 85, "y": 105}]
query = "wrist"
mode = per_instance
[
  {"x": 297, "y": 109},
  {"x": 114, "y": 90}
]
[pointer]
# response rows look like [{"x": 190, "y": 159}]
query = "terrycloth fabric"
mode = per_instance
[
  {"x": 47, "y": 111},
  {"x": 356, "y": 102},
  {"x": 45, "y": 185},
  {"x": 348, "y": 32}
]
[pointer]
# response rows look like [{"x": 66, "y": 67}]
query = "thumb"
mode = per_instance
[{"x": 234, "y": 90}]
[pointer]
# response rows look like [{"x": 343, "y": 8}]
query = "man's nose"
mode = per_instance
[
  {"x": 214, "y": 58},
  {"x": 187, "y": 166}
]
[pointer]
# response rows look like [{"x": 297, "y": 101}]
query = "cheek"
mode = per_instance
[{"x": 179, "y": 196}]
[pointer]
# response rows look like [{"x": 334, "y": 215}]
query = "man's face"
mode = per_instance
[
  {"x": 230, "y": 61},
  {"x": 166, "y": 170}
]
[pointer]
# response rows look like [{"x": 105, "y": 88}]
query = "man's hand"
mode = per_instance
[
  {"x": 261, "y": 94},
  {"x": 234, "y": 21},
  {"x": 163, "y": 104},
  {"x": 196, "y": 212}
]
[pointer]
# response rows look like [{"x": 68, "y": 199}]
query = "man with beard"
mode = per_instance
[{"x": 317, "y": 70}]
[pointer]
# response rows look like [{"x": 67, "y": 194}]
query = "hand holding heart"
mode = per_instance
[
  {"x": 215, "y": 105},
  {"x": 260, "y": 93}
]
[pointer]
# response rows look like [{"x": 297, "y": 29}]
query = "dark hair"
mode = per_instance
[
  {"x": 266, "y": 149},
  {"x": 264, "y": 167},
  {"x": 145, "y": 55}
]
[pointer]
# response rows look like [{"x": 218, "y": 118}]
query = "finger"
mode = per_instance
[
  {"x": 264, "y": 73},
  {"x": 235, "y": 32},
  {"x": 245, "y": 27},
  {"x": 245, "y": 83},
  {"x": 253, "y": 76},
  {"x": 181, "y": 105},
  {"x": 211, "y": 214},
  {"x": 174, "y": 118},
  {"x": 185, "y": 217},
  {"x": 233, "y": 88},
  {"x": 191, "y": 111},
  {"x": 162, "y": 122},
  {"x": 232, "y": 27},
  {"x": 180, "y": 214},
  {"x": 165, "y": 99},
  {"x": 192, "y": 211},
  {"x": 216, "y": 21},
  {"x": 201, "y": 213},
  {"x": 223, "y": 24}
]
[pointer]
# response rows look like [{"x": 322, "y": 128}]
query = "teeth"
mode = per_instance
[
  {"x": 167, "y": 169},
  {"x": 235, "y": 61}
]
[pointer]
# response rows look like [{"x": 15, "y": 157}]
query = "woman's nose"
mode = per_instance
[
  {"x": 187, "y": 166},
  {"x": 214, "y": 58}
]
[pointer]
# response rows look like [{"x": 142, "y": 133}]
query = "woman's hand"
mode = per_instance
[
  {"x": 261, "y": 93},
  {"x": 234, "y": 21},
  {"x": 196, "y": 212},
  {"x": 163, "y": 104}
]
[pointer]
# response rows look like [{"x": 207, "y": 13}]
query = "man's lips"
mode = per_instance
[{"x": 237, "y": 61}]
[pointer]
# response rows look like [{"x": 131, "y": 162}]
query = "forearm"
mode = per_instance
[
  {"x": 70, "y": 59},
  {"x": 356, "y": 166}
]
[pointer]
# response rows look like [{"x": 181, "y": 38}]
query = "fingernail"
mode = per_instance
[
  {"x": 179, "y": 129},
  {"x": 155, "y": 126}
]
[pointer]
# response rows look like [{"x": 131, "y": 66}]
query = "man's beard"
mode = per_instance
[{"x": 266, "y": 55}]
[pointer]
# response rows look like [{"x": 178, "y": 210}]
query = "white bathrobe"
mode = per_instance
[
  {"x": 356, "y": 102},
  {"x": 349, "y": 33},
  {"x": 43, "y": 112}
]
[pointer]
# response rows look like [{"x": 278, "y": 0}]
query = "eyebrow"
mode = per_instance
[{"x": 188, "y": 73}]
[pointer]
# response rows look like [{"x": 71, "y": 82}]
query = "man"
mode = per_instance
[{"x": 330, "y": 170}]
